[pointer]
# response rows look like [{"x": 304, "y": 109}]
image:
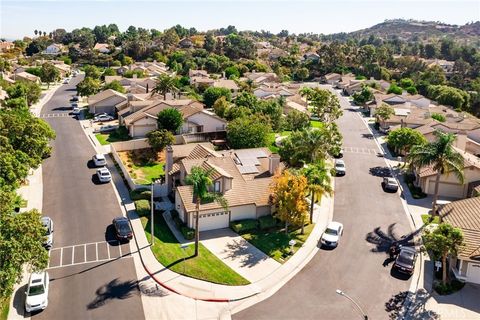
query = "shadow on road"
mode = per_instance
[
  {"x": 380, "y": 172},
  {"x": 95, "y": 179},
  {"x": 110, "y": 237},
  {"x": 367, "y": 136},
  {"x": 91, "y": 164},
  {"x": 113, "y": 290},
  {"x": 62, "y": 109},
  {"x": 397, "y": 307},
  {"x": 383, "y": 240},
  {"x": 19, "y": 300}
]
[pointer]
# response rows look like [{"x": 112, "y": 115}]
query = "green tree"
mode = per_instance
[
  {"x": 221, "y": 106},
  {"x": 302, "y": 74},
  {"x": 319, "y": 182},
  {"x": 160, "y": 139},
  {"x": 21, "y": 238},
  {"x": 164, "y": 84},
  {"x": 441, "y": 157},
  {"x": 288, "y": 196},
  {"x": 200, "y": 180},
  {"x": 447, "y": 95},
  {"x": 443, "y": 241},
  {"x": 114, "y": 85},
  {"x": 48, "y": 73},
  {"x": 232, "y": 72},
  {"x": 402, "y": 139},
  {"x": 170, "y": 119},
  {"x": 363, "y": 96},
  {"x": 248, "y": 132},
  {"x": 88, "y": 86},
  {"x": 109, "y": 72},
  {"x": 212, "y": 94},
  {"x": 325, "y": 105},
  {"x": 297, "y": 120},
  {"x": 237, "y": 46},
  {"x": 383, "y": 113},
  {"x": 246, "y": 99},
  {"x": 394, "y": 89},
  {"x": 92, "y": 72}
]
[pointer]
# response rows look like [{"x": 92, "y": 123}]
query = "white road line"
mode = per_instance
[
  {"x": 73, "y": 253},
  {"x": 84, "y": 253},
  {"x": 80, "y": 263},
  {"x": 108, "y": 250},
  {"x": 96, "y": 251},
  {"x": 120, "y": 247},
  {"x": 61, "y": 256}
]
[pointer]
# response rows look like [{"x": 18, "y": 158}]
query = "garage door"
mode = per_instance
[
  {"x": 105, "y": 109},
  {"x": 473, "y": 272},
  {"x": 141, "y": 131},
  {"x": 210, "y": 221},
  {"x": 446, "y": 189}
]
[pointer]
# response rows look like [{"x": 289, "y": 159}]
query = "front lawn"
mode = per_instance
[
  {"x": 426, "y": 219},
  {"x": 315, "y": 123},
  {"x": 4, "y": 307},
  {"x": 121, "y": 134},
  {"x": 274, "y": 242},
  {"x": 271, "y": 140},
  {"x": 205, "y": 266},
  {"x": 143, "y": 165}
]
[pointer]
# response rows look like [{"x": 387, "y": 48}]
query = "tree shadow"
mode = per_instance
[
  {"x": 407, "y": 305},
  {"x": 380, "y": 172},
  {"x": 240, "y": 250},
  {"x": 367, "y": 136},
  {"x": 384, "y": 240},
  {"x": 113, "y": 290}
]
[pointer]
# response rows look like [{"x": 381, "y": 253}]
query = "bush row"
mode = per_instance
[
  {"x": 139, "y": 194},
  {"x": 265, "y": 222},
  {"x": 188, "y": 233},
  {"x": 142, "y": 207}
]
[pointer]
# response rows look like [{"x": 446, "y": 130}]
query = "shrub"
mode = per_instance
[
  {"x": 267, "y": 222},
  {"x": 142, "y": 207},
  {"x": 243, "y": 225},
  {"x": 449, "y": 288},
  {"x": 140, "y": 194},
  {"x": 188, "y": 233}
]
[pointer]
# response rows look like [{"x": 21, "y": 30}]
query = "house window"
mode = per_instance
[{"x": 217, "y": 186}]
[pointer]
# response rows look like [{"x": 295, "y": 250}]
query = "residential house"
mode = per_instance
[
  {"x": 311, "y": 56},
  {"x": 63, "y": 69},
  {"x": 185, "y": 43},
  {"x": 267, "y": 92},
  {"x": 243, "y": 177},
  {"x": 54, "y": 49},
  {"x": 107, "y": 101},
  {"x": 26, "y": 77},
  {"x": 228, "y": 84},
  {"x": 465, "y": 214},
  {"x": 332, "y": 78},
  {"x": 259, "y": 78},
  {"x": 6, "y": 45},
  {"x": 102, "y": 47},
  {"x": 447, "y": 66}
]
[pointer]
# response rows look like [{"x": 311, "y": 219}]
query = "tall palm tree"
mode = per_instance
[
  {"x": 307, "y": 93},
  {"x": 199, "y": 178},
  {"x": 441, "y": 156},
  {"x": 319, "y": 182},
  {"x": 35, "y": 31},
  {"x": 163, "y": 85}
]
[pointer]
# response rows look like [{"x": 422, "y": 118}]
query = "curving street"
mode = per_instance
[
  {"x": 371, "y": 218},
  {"x": 92, "y": 277}
]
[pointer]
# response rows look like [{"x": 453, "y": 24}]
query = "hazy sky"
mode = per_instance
[{"x": 20, "y": 18}]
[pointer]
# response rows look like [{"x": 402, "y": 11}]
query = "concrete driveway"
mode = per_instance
[
  {"x": 239, "y": 254},
  {"x": 464, "y": 304}
]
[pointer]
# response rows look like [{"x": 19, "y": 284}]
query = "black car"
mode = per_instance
[
  {"x": 405, "y": 262},
  {"x": 123, "y": 231}
]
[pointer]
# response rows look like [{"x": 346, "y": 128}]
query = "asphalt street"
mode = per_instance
[
  {"x": 372, "y": 219},
  {"x": 92, "y": 276}
]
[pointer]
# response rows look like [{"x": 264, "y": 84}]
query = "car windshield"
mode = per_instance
[
  {"x": 104, "y": 173},
  {"x": 332, "y": 232},
  {"x": 46, "y": 225},
  {"x": 36, "y": 290},
  {"x": 123, "y": 227},
  {"x": 340, "y": 165},
  {"x": 405, "y": 258}
]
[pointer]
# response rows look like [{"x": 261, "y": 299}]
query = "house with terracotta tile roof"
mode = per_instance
[
  {"x": 108, "y": 101},
  {"x": 102, "y": 47},
  {"x": 242, "y": 177},
  {"x": 465, "y": 214}
]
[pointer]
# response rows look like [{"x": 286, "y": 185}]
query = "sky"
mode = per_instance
[{"x": 20, "y": 18}]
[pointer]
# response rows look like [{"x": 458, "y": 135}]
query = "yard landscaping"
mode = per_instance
[
  {"x": 271, "y": 140},
  {"x": 274, "y": 242},
  {"x": 121, "y": 134},
  {"x": 4, "y": 307},
  {"x": 143, "y": 165},
  {"x": 315, "y": 123},
  {"x": 205, "y": 266}
]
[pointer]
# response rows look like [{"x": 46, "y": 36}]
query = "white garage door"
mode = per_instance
[
  {"x": 210, "y": 221},
  {"x": 141, "y": 131},
  {"x": 473, "y": 272},
  {"x": 446, "y": 189}
]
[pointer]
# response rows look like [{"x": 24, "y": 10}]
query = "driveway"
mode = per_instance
[
  {"x": 239, "y": 254},
  {"x": 464, "y": 304}
]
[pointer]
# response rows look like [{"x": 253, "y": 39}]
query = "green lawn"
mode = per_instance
[
  {"x": 275, "y": 243},
  {"x": 271, "y": 140},
  {"x": 205, "y": 266},
  {"x": 315, "y": 123},
  {"x": 150, "y": 171},
  {"x": 426, "y": 219},
  {"x": 4, "y": 307},
  {"x": 121, "y": 134}
]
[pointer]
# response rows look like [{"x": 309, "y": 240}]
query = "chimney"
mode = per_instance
[
  {"x": 273, "y": 163},
  {"x": 168, "y": 167},
  {"x": 461, "y": 140}
]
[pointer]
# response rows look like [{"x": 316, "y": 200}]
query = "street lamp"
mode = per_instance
[{"x": 364, "y": 315}]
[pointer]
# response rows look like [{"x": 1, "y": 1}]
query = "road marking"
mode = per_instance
[
  {"x": 84, "y": 252},
  {"x": 96, "y": 250},
  {"x": 73, "y": 254},
  {"x": 359, "y": 150},
  {"x": 54, "y": 115}
]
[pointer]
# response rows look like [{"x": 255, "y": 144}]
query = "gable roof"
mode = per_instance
[
  {"x": 104, "y": 95},
  {"x": 225, "y": 83}
]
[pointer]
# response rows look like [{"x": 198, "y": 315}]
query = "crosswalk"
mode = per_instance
[
  {"x": 360, "y": 150},
  {"x": 87, "y": 253},
  {"x": 55, "y": 115}
]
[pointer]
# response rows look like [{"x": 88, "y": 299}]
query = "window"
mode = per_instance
[{"x": 217, "y": 186}]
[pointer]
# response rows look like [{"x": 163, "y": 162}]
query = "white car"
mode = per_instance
[
  {"x": 102, "y": 118},
  {"x": 76, "y": 111},
  {"x": 66, "y": 81},
  {"x": 340, "y": 167},
  {"x": 332, "y": 234},
  {"x": 104, "y": 175},
  {"x": 99, "y": 160},
  {"x": 47, "y": 223},
  {"x": 37, "y": 292}
]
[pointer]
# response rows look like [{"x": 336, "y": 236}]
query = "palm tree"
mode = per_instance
[
  {"x": 307, "y": 93},
  {"x": 163, "y": 85},
  {"x": 319, "y": 182},
  {"x": 441, "y": 156},
  {"x": 199, "y": 178},
  {"x": 36, "y": 31}
]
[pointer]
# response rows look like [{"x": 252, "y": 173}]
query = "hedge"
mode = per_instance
[
  {"x": 139, "y": 194},
  {"x": 267, "y": 222},
  {"x": 188, "y": 233},
  {"x": 142, "y": 207},
  {"x": 243, "y": 225}
]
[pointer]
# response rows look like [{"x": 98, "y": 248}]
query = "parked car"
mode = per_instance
[
  {"x": 405, "y": 261},
  {"x": 123, "y": 231},
  {"x": 74, "y": 98},
  {"x": 66, "y": 81},
  {"x": 74, "y": 105},
  {"x": 390, "y": 184},
  {"x": 340, "y": 169},
  {"x": 107, "y": 128},
  {"x": 332, "y": 234},
  {"x": 37, "y": 291},
  {"x": 76, "y": 111},
  {"x": 99, "y": 160},
  {"x": 47, "y": 223},
  {"x": 104, "y": 175},
  {"x": 339, "y": 154},
  {"x": 103, "y": 118}
]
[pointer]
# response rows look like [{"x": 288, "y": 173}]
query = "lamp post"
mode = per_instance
[{"x": 364, "y": 315}]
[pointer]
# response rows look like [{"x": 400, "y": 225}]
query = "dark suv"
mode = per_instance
[
  {"x": 405, "y": 261},
  {"x": 123, "y": 231}
]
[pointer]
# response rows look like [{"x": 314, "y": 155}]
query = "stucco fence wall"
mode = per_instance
[{"x": 159, "y": 190}]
